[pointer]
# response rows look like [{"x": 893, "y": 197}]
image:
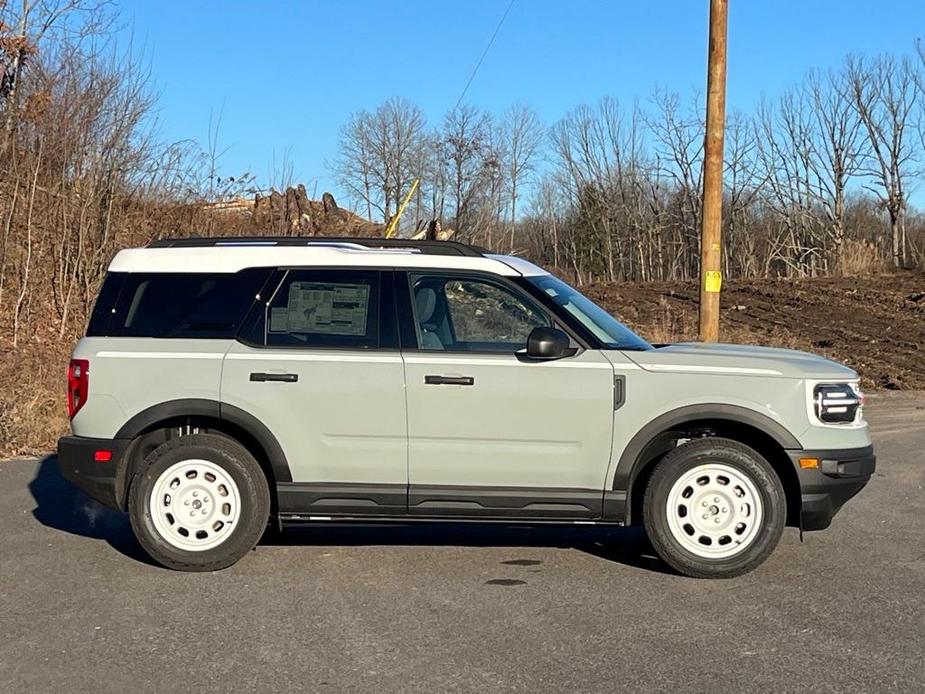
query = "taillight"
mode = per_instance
[{"x": 78, "y": 383}]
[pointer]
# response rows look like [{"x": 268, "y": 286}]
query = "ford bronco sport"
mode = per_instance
[{"x": 225, "y": 382}]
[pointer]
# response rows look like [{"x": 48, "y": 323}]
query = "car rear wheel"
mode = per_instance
[
  {"x": 714, "y": 508},
  {"x": 200, "y": 503}
]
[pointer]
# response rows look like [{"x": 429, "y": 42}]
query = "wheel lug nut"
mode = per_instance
[
  {"x": 716, "y": 520},
  {"x": 725, "y": 510},
  {"x": 186, "y": 503},
  {"x": 715, "y": 499},
  {"x": 197, "y": 494},
  {"x": 705, "y": 516}
]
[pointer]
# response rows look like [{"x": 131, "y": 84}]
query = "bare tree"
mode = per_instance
[
  {"x": 380, "y": 155},
  {"x": 679, "y": 135},
  {"x": 465, "y": 149},
  {"x": 838, "y": 148},
  {"x": 919, "y": 75},
  {"x": 34, "y": 21},
  {"x": 356, "y": 164},
  {"x": 884, "y": 94},
  {"x": 742, "y": 247},
  {"x": 599, "y": 155},
  {"x": 521, "y": 138},
  {"x": 785, "y": 152}
]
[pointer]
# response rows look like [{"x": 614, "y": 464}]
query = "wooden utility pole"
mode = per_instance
[{"x": 711, "y": 278}]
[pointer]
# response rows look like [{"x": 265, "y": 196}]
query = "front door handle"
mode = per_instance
[
  {"x": 261, "y": 377},
  {"x": 449, "y": 381}
]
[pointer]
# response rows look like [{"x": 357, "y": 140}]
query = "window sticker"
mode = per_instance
[
  {"x": 279, "y": 319},
  {"x": 331, "y": 309}
]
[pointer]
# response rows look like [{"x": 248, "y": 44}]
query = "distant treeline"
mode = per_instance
[{"x": 817, "y": 181}]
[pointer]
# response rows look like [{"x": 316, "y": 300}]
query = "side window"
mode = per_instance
[
  {"x": 175, "y": 304},
  {"x": 469, "y": 314},
  {"x": 105, "y": 306},
  {"x": 324, "y": 308}
]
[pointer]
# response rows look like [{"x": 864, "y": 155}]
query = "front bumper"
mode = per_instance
[
  {"x": 103, "y": 481},
  {"x": 842, "y": 473}
]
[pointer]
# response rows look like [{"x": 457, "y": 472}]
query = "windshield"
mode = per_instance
[{"x": 611, "y": 332}]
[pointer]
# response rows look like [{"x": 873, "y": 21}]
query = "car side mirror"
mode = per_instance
[{"x": 548, "y": 343}]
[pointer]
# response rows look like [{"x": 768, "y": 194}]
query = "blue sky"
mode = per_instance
[{"x": 287, "y": 75}]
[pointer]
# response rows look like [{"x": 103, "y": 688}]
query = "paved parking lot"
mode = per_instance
[{"x": 466, "y": 608}]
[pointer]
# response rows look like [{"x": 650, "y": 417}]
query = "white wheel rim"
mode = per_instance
[
  {"x": 195, "y": 505},
  {"x": 714, "y": 511}
]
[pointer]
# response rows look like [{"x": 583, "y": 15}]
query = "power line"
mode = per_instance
[{"x": 484, "y": 53}]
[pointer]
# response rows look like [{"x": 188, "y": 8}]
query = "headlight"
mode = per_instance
[{"x": 836, "y": 403}]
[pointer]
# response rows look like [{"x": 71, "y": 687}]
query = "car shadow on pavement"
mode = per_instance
[
  {"x": 60, "y": 505},
  {"x": 627, "y": 546}
]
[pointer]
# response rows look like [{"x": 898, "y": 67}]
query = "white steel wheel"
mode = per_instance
[
  {"x": 195, "y": 505},
  {"x": 714, "y": 511}
]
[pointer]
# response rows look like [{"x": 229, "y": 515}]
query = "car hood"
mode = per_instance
[{"x": 744, "y": 360}]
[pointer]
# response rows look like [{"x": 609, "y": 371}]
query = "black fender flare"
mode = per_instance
[
  {"x": 630, "y": 462},
  {"x": 201, "y": 407}
]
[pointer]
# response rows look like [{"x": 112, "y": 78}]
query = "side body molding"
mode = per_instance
[
  {"x": 186, "y": 407},
  {"x": 196, "y": 407},
  {"x": 263, "y": 436}
]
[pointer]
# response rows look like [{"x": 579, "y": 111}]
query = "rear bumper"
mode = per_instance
[
  {"x": 102, "y": 481},
  {"x": 842, "y": 473}
]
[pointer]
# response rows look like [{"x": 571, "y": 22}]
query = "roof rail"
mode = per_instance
[{"x": 427, "y": 247}]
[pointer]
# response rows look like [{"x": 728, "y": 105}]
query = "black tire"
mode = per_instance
[
  {"x": 247, "y": 475},
  {"x": 745, "y": 461}
]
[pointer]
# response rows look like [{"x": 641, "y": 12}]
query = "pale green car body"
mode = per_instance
[{"x": 360, "y": 433}]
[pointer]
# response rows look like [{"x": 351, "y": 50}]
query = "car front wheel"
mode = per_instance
[{"x": 714, "y": 508}]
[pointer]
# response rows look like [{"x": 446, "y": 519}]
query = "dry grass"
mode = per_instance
[
  {"x": 860, "y": 259},
  {"x": 33, "y": 411},
  {"x": 666, "y": 324}
]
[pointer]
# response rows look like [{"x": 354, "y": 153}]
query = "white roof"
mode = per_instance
[
  {"x": 232, "y": 258},
  {"x": 523, "y": 267}
]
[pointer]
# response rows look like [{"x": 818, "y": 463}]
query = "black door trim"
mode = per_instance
[
  {"x": 336, "y": 499},
  {"x": 504, "y": 502},
  {"x": 342, "y": 499}
]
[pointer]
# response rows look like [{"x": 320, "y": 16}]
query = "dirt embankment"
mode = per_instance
[{"x": 875, "y": 325}]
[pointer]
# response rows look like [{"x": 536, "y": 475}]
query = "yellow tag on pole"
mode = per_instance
[{"x": 713, "y": 281}]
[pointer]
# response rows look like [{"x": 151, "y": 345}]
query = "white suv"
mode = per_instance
[{"x": 223, "y": 382}]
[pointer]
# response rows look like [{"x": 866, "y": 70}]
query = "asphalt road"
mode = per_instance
[{"x": 463, "y": 608}]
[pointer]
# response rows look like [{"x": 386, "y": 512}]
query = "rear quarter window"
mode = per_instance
[{"x": 175, "y": 305}]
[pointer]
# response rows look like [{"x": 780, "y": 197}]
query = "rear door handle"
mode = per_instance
[
  {"x": 449, "y": 381},
  {"x": 261, "y": 377}
]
